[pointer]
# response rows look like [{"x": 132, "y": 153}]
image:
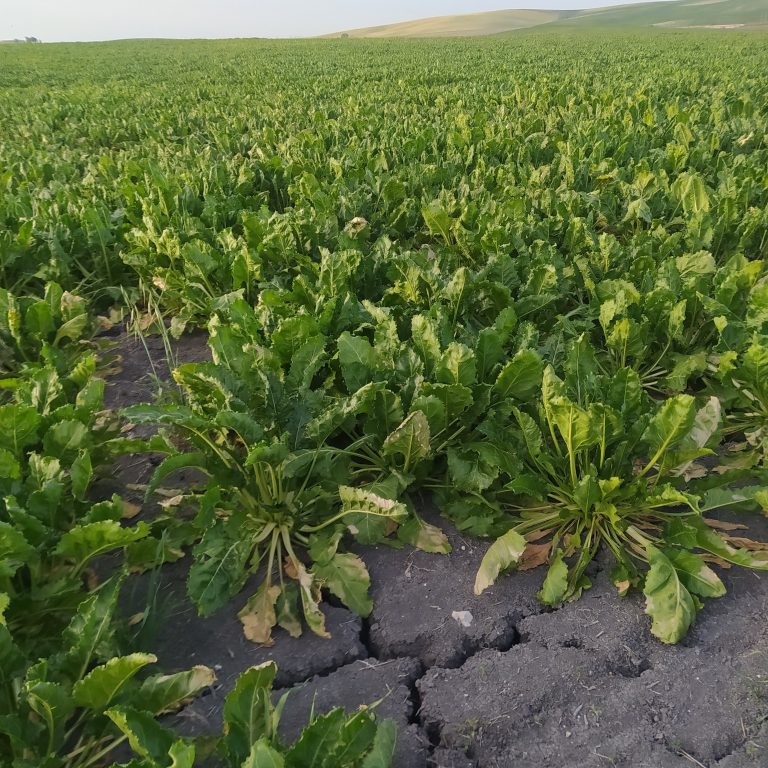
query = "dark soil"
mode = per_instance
[{"x": 580, "y": 687}]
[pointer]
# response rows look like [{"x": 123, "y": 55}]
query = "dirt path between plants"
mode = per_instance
[{"x": 512, "y": 685}]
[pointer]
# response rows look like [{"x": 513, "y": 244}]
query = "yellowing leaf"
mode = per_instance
[
  {"x": 505, "y": 552},
  {"x": 667, "y": 601},
  {"x": 130, "y": 510},
  {"x": 424, "y": 536},
  {"x": 258, "y": 615}
]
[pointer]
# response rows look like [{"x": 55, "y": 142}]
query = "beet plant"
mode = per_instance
[{"x": 602, "y": 465}]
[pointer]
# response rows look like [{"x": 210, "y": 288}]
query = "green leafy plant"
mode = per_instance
[
  {"x": 250, "y": 738},
  {"x": 742, "y": 384},
  {"x": 51, "y": 330},
  {"x": 60, "y": 710},
  {"x": 263, "y": 502},
  {"x": 603, "y": 466},
  {"x": 58, "y": 439}
]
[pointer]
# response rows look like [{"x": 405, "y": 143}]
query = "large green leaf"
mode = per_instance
[
  {"x": 347, "y": 577},
  {"x": 555, "y": 585},
  {"x": 577, "y": 427},
  {"x": 18, "y": 426},
  {"x": 520, "y": 378},
  {"x": 383, "y": 748},
  {"x": 671, "y": 423},
  {"x": 695, "y": 574},
  {"x": 90, "y": 634},
  {"x": 410, "y": 439},
  {"x": 333, "y": 740},
  {"x": 248, "y": 711},
  {"x": 263, "y": 755},
  {"x": 667, "y": 601},
  {"x": 357, "y": 359},
  {"x": 691, "y": 192},
  {"x": 15, "y": 550},
  {"x": 53, "y": 704},
  {"x": 425, "y": 340},
  {"x": 147, "y": 738},
  {"x": 165, "y": 693},
  {"x": 98, "y": 689},
  {"x": 457, "y": 365},
  {"x": 85, "y": 542},
  {"x": 219, "y": 570}
]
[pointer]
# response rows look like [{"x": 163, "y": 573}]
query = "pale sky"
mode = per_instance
[{"x": 56, "y": 20}]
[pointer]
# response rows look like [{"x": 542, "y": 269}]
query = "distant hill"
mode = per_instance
[
  {"x": 711, "y": 14},
  {"x": 465, "y": 25},
  {"x": 722, "y": 14}
]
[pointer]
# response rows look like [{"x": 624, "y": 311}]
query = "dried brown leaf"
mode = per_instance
[
  {"x": 130, "y": 510},
  {"x": 722, "y": 525},
  {"x": 534, "y": 556}
]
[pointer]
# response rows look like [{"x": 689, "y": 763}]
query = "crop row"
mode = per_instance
[{"x": 530, "y": 288}]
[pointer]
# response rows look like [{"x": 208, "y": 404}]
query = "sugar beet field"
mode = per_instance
[{"x": 425, "y": 382}]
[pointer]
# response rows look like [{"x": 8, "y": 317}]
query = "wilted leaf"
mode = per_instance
[
  {"x": 258, "y": 615},
  {"x": 534, "y": 555},
  {"x": 423, "y": 536},
  {"x": 505, "y": 552}
]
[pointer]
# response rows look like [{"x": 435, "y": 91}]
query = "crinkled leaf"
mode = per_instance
[
  {"x": 667, "y": 601},
  {"x": 147, "y": 738},
  {"x": 98, "y": 689},
  {"x": 347, "y": 577},
  {"x": 258, "y": 615},
  {"x": 84, "y": 542},
  {"x": 410, "y": 439},
  {"x": 469, "y": 470}
]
